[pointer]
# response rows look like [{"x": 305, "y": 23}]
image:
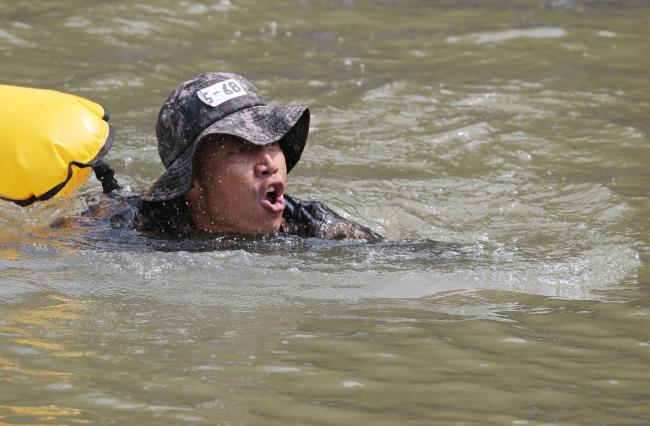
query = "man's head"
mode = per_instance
[
  {"x": 198, "y": 123},
  {"x": 237, "y": 186}
]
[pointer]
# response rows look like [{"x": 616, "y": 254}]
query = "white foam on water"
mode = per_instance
[
  {"x": 501, "y": 36},
  {"x": 277, "y": 369},
  {"x": 579, "y": 277},
  {"x": 245, "y": 280},
  {"x": 607, "y": 34},
  {"x": 514, "y": 340},
  {"x": 59, "y": 386},
  {"x": 197, "y": 9},
  {"x": 133, "y": 27},
  {"x": 104, "y": 400},
  {"x": 14, "y": 39},
  {"x": 77, "y": 22},
  {"x": 223, "y": 6}
]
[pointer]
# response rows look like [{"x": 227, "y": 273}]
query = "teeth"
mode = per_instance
[{"x": 270, "y": 190}]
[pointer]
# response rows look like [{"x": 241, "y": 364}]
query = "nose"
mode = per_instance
[{"x": 266, "y": 166}]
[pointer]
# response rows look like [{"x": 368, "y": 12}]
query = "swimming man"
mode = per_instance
[{"x": 227, "y": 155}]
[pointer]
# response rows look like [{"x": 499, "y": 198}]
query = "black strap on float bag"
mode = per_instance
[{"x": 106, "y": 175}]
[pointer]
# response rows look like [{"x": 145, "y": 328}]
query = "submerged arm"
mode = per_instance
[{"x": 315, "y": 219}]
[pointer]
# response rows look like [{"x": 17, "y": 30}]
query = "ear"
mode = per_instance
[
  {"x": 196, "y": 200},
  {"x": 195, "y": 188}
]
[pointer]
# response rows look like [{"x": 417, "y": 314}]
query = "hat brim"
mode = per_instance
[{"x": 260, "y": 125}]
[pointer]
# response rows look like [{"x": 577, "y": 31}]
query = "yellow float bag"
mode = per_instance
[{"x": 49, "y": 142}]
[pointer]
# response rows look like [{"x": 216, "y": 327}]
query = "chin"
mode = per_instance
[
  {"x": 271, "y": 228},
  {"x": 262, "y": 227}
]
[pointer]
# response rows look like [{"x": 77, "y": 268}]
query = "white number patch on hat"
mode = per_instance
[{"x": 221, "y": 92}]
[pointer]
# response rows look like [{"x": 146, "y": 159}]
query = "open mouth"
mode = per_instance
[
  {"x": 272, "y": 194},
  {"x": 273, "y": 198}
]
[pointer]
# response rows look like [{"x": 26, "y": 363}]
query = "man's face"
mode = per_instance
[{"x": 238, "y": 187}]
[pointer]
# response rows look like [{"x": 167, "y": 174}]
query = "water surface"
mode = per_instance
[{"x": 501, "y": 146}]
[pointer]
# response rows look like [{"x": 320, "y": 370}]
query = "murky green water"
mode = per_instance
[{"x": 518, "y": 131}]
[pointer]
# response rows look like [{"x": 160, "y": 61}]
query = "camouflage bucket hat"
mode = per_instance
[{"x": 219, "y": 103}]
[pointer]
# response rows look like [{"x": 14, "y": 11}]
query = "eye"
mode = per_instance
[
  {"x": 272, "y": 146},
  {"x": 242, "y": 148}
]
